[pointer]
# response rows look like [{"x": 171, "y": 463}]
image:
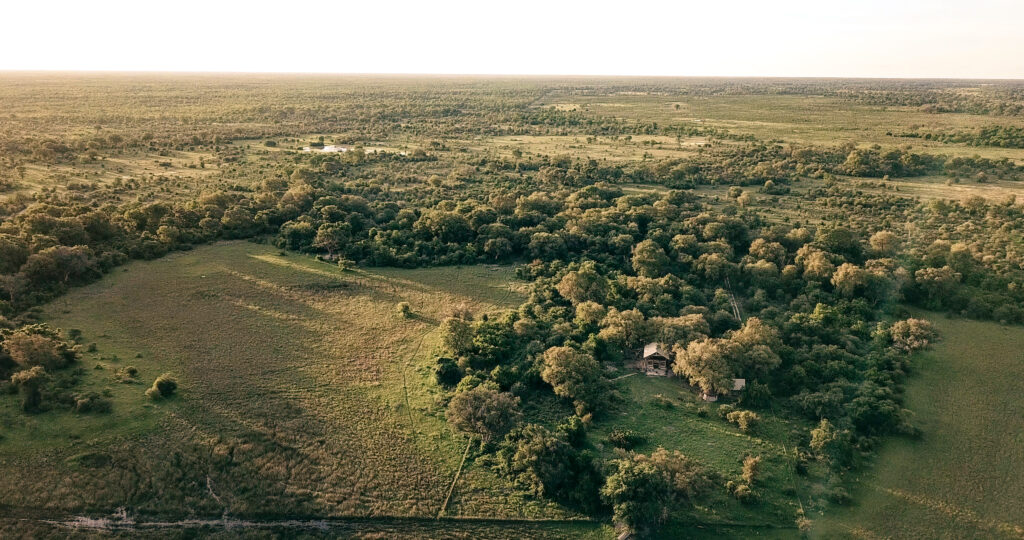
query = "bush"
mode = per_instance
[
  {"x": 751, "y": 468},
  {"x": 746, "y": 420},
  {"x": 663, "y": 401},
  {"x": 30, "y": 383},
  {"x": 743, "y": 493},
  {"x": 126, "y": 374},
  {"x": 839, "y": 496},
  {"x": 91, "y": 402},
  {"x": 404, "y": 309},
  {"x": 163, "y": 387},
  {"x": 625, "y": 438},
  {"x": 447, "y": 372}
]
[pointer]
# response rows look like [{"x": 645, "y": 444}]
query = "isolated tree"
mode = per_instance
[
  {"x": 751, "y": 469},
  {"x": 404, "y": 309},
  {"x": 484, "y": 411},
  {"x": 745, "y": 420},
  {"x": 575, "y": 375}
]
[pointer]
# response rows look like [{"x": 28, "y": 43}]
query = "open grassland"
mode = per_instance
[
  {"x": 303, "y": 393},
  {"x": 800, "y": 119},
  {"x": 617, "y": 149},
  {"x": 965, "y": 477}
]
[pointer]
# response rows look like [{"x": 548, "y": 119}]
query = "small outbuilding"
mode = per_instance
[
  {"x": 657, "y": 361},
  {"x": 738, "y": 384}
]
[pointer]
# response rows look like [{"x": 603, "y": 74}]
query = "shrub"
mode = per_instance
[
  {"x": 625, "y": 438},
  {"x": 460, "y": 311},
  {"x": 91, "y": 402},
  {"x": 404, "y": 309},
  {"x": 663, "y": 401},
  {"x": 126, "y": 374},
  {"x": 751, "y": 468},
  {"x": 30, "y": 383},
  {"x": 35, "y": 349},
  {"x": 447, "y": 372},
  {"x": 743, "y": 493},
  {"x": 839, "y": 496},
  {"x": 163, "y": 387},
  {"x": 746, "y": 420}
]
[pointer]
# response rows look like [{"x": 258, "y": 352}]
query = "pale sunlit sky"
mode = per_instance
[{"x": 840, "y": 38}]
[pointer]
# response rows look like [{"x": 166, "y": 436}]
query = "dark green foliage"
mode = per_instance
[
  {"x": 483, "y": 411},
  {"x": 29, "y": 383},
  {"x": 447, "y": 372},
  {"x": 642, "y": 490},
  {"x": 547, "y": 464}
]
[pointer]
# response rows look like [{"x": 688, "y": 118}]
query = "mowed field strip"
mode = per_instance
[{"x": 299, "y": 382}]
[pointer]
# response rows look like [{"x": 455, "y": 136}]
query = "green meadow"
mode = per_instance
[
  {"x": 303, "y": 393},
  {"x": 965, "y": 477}
]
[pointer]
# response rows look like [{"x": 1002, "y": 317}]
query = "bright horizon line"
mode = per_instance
[{"x": 487, "y": 74}]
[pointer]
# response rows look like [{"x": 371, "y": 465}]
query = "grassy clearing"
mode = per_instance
[
  {"x": 794, "y": 118},
  {"x": 669, "y": 414},
  {"x": 638, "y": 147},
  {"x": 965, "y": 477},
  {"x": 303, "y": 393}
]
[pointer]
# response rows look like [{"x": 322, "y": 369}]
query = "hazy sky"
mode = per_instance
[{"x": 852, "y": 38}]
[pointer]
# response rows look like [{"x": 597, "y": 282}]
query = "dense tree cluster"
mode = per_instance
[{"x": 804, "y": 306}]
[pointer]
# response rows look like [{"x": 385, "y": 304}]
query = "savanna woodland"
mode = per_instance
[{"x": 426, "y": 307}]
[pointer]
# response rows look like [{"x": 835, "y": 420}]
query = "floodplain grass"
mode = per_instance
[
  {"x": 964, "y": 478},
  {"x": 302, "y": 393},
  {"x": 802, "y": 119}
]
